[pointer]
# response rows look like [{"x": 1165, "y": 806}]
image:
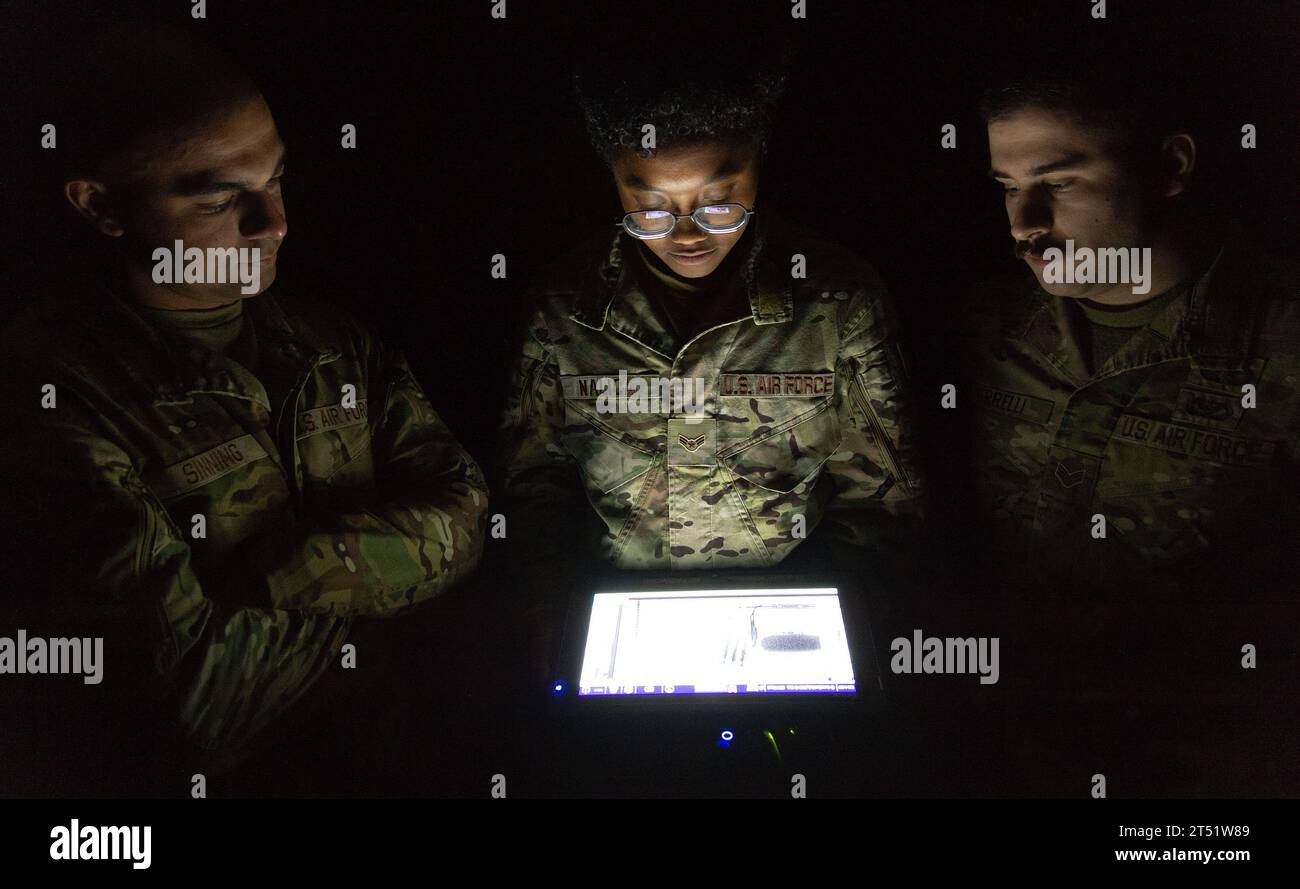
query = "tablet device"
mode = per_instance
[{"x": 720, "y": 635}]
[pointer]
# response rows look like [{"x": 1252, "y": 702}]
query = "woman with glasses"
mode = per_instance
[{"x": 703, "y": 387}]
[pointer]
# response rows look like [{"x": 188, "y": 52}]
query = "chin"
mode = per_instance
[
  {"x": 268, "y": 278},
  {"x": 1070, "y": 291},
  {"x": 692, "y": 273}
]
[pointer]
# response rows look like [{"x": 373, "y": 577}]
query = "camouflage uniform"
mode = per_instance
[
  {"x": 802, "y": 415},
  {"x": 318, "y": 509},
  {"x": 1156, "y": 439}
]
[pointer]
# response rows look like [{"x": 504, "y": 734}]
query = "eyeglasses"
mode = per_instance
[{"x": 716, "y": 219}]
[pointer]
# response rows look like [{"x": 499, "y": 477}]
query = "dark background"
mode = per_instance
[{"x": 466, "y": 127}]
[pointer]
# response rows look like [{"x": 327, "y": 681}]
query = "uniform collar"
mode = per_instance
[
  {"x": 1203, "y": 320},
  {"x": 296, "y": 339},
  {"x": 612, "y": 296},
  {"x": 175, "y": 368}
]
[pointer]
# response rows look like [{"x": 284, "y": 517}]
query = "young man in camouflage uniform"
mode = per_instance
[
  {"x": 704, "y": 387},
  {"x": 1164, "y": 414},
  {"x": 242, "y": 476}
]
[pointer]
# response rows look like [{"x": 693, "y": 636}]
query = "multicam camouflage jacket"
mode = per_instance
[
  {"x": 1180, "y": 440},
  {"x": 347, "y": 498},
  {"x": 799, "y": 419}
]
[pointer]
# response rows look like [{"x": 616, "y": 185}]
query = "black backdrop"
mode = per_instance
[{"x": 465, "y": 121}]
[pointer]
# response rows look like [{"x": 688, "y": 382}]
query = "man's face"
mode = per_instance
[
  {"x": 1065, "y": 181},
  {"x": 217, "y": 184},
  {"x": 679, "y": 180}
]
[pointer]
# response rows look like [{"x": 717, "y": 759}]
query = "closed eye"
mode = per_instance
[{"x": 214, "y": 209}]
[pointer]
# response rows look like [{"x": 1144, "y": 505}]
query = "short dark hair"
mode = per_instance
[
  {"x": 687, "y": 102},
  {"x": 135, "y": 80},
  {"x": 1129, "y": 113},
  {"x": 1136, "y": 92}
]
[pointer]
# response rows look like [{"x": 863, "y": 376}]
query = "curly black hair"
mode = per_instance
[{"x": 717, "y": 97}]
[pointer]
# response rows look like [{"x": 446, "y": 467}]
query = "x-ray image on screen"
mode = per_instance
[{"x": 717, "y": 641}]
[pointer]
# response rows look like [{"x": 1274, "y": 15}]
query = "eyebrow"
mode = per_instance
[
  {"x": 1070, "y": 160},
  {"x": 728, "y": 169},
  {"x": 205, "y": 183}
]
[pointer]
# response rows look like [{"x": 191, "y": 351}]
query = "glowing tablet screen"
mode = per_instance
[{"x": 737, "y": 641}]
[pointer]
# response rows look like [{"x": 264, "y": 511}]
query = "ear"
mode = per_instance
[
  {"x": 89, "y": 197},
  {"x": 1177, "y": 163}
]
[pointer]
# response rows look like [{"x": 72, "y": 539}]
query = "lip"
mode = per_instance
[
  {"x": 692, "y": 258},
  {"x": 270, "y": 257},
  {"x": 1035, "y": 257}
]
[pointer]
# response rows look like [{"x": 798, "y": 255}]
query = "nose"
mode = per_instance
[
  {"x": 686, "y": 234},
  {"x": 1030, "y": 216},
  {"x": 263, "y": 218}
]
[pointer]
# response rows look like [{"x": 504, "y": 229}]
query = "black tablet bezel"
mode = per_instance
[{"x": 857, "y": 627}]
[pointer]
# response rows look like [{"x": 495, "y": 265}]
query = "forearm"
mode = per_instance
[
  {"x": 377, "y": 561},
  {"x": 412, "y": 534}
]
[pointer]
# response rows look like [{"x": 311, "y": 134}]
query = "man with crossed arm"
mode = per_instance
[{"x": 219, "y": 483}]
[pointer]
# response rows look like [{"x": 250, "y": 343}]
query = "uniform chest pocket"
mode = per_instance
[
  {"x": 1149, "y": 455},
  {"x": 613, "y": 448},
  {"x": 776, "y": 443},
  {"x": 1181, "y": 516},
  {"x": 1170, "y": 489},
  {"x": 1013, "y": 433},
  {"x": 334, "y": 445},
  {"x": 233, "y": 486}
]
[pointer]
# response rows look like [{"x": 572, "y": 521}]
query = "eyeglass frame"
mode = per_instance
[{"x": 749, "y": 211}]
